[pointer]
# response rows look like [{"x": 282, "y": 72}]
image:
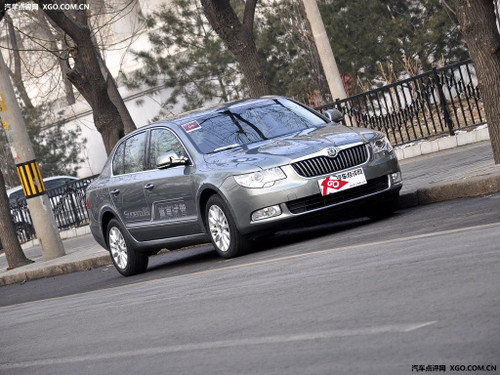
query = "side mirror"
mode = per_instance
[
  {"x": 335, "y": 115},
  {"x": 170, "y": 159}
]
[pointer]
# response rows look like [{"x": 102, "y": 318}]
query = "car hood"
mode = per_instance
[{"x": 283, "y": 150}]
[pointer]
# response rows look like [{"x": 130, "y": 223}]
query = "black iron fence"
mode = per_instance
[
  {"x": 437, "y": 102},
  {"x": 68, "y": 205}
]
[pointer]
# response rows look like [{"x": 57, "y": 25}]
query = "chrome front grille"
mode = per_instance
[{"x": 320, "y": 165}]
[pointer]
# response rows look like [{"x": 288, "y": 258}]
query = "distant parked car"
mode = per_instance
[
  {"x": 19, "y": 209},
  {"x": 50, "y": 182},
  {"x": 233, "y": 173}
]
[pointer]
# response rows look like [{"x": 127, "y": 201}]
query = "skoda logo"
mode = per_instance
[{"x": 331, "y": 151}]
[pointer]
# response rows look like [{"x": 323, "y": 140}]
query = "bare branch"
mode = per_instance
[
  {"x": 249, "y": 14},
  {"x": 16, "y": 74},
  {"x": 73, "y": 26},
  {"x": 448, "y": 7}
]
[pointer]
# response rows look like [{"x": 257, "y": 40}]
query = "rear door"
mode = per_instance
[{"x": 127, "y": 185}]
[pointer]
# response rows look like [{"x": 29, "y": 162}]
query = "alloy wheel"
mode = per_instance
[
  {"x": 118, "y": 248},
  {"x": 219, "y": 228}
]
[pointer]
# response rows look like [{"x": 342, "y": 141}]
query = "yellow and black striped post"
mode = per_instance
[
  {"x": 31, "y": 178},
  {"x": 29, "y": 172}
]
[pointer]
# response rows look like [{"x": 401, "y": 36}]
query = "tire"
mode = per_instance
[
  {"x": 126, "y": 260},
  {"x": 383, "y": 208},
  {"x": 221, "y": 228}
]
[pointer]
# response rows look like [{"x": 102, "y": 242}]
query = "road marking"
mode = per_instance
[
  {"x": 418, "y": 326},
  {"x": 221, "y": 344},
  {"x": 271, "y": 260}
]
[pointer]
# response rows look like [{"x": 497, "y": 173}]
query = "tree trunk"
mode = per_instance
[
  {"x": 87, "y": 78},
  {"x": 478, "y": 22},
  {"x": 116, "y": 98},
  {"x": 86, "y": 74},
  {"x": 238, "y": 38},
  {"x": 13, "y": 252},
  {"x": 68, "y": 87}
]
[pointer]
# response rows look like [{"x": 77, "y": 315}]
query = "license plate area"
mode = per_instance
[{"x": 342, "y": 181}]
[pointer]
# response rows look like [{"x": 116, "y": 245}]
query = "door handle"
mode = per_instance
[
  {"x": 115, "y": 192},
  {"x": 149, "y": 187}
]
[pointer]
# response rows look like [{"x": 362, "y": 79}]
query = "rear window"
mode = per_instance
[
  {"x": 16, "y": 195},
  {"x": 57, "y": 182}
]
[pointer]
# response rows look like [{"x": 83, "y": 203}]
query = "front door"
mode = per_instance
[{"x": 169, "y": 192}]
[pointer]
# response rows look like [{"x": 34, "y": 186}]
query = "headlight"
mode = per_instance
[
  {"x": 261, "y": 179},
  {"x": 380, "y": 145}
]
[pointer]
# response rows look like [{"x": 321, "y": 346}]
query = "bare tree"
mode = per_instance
[
  {"x": 13, "y": 252},
  {"x": 239, "y": 39},
  {"x": 479, "y": 27},
  {"x": 85, "y": 68},
  {"x": 55, "y": 38},
  {"x": 16, "y": 72},
  {"x": 86, "y": 74}
]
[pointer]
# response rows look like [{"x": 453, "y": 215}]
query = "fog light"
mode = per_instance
[
  {"x": 396, "y": 178},
  {"x": 266, "y": 213}
]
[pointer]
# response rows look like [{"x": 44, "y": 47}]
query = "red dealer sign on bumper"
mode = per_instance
[{"x": 342, "y": 181}]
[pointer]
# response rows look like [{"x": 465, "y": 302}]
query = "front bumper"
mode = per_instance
[{"x": 299, "y": 197}]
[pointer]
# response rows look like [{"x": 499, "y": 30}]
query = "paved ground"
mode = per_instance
[
  {"x": 417, "y": 289},
  {"x": 464, "y": 171}
]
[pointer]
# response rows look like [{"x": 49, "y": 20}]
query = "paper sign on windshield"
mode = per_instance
[{"x": 190, "y": 126}]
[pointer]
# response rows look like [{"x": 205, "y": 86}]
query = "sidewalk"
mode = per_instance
[{"x": 459, "y": 172}]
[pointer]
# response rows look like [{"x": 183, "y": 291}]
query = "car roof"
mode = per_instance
[
  {"x": 222, "y": 106},
  {"x": 19, "y": 187},
  {"x": 187, "y": 116}
]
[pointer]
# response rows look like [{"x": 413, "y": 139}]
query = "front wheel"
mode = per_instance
[
  {"x": 125, "y": 259},
  {"x": 226, "y": 238}
]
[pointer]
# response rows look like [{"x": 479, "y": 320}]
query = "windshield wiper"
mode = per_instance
[{"x": 223, "y": 148}]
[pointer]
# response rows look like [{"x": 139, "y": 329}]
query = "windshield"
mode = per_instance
[{"x": 250, "y": 123}]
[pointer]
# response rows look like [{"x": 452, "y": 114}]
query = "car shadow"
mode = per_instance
[
  {"x": 300, "y": 235},
  {"x": 204, "y": 257},
  {"x": 176, "y": 260}
]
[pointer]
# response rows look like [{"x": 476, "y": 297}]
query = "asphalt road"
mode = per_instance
[{"x": 420, "y": 288}]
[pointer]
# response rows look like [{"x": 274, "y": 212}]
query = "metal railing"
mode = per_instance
[
  {"x": 434, "y": 103},
  {"x": 68, "y": 205}
]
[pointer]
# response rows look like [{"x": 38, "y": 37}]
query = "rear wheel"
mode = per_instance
[
  {"x": 125, "y": 259},
  {"x": 225, "y": 236}
]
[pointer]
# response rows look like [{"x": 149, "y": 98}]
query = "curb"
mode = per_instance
[
  {"x": 56, "y": 270},
  {"x": 473, "y": 187},
  {"x": 425, "y": 147}
]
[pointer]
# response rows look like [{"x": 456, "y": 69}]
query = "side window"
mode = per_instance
[
  {"x": 129, "y": 156},
  {"x": 133, "y": 160},
  {"x": 118, "y": 160},
  {"x": 162, "y": 141}
]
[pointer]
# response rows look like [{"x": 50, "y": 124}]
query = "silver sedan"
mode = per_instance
[{"x": 235, "y": 172}]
